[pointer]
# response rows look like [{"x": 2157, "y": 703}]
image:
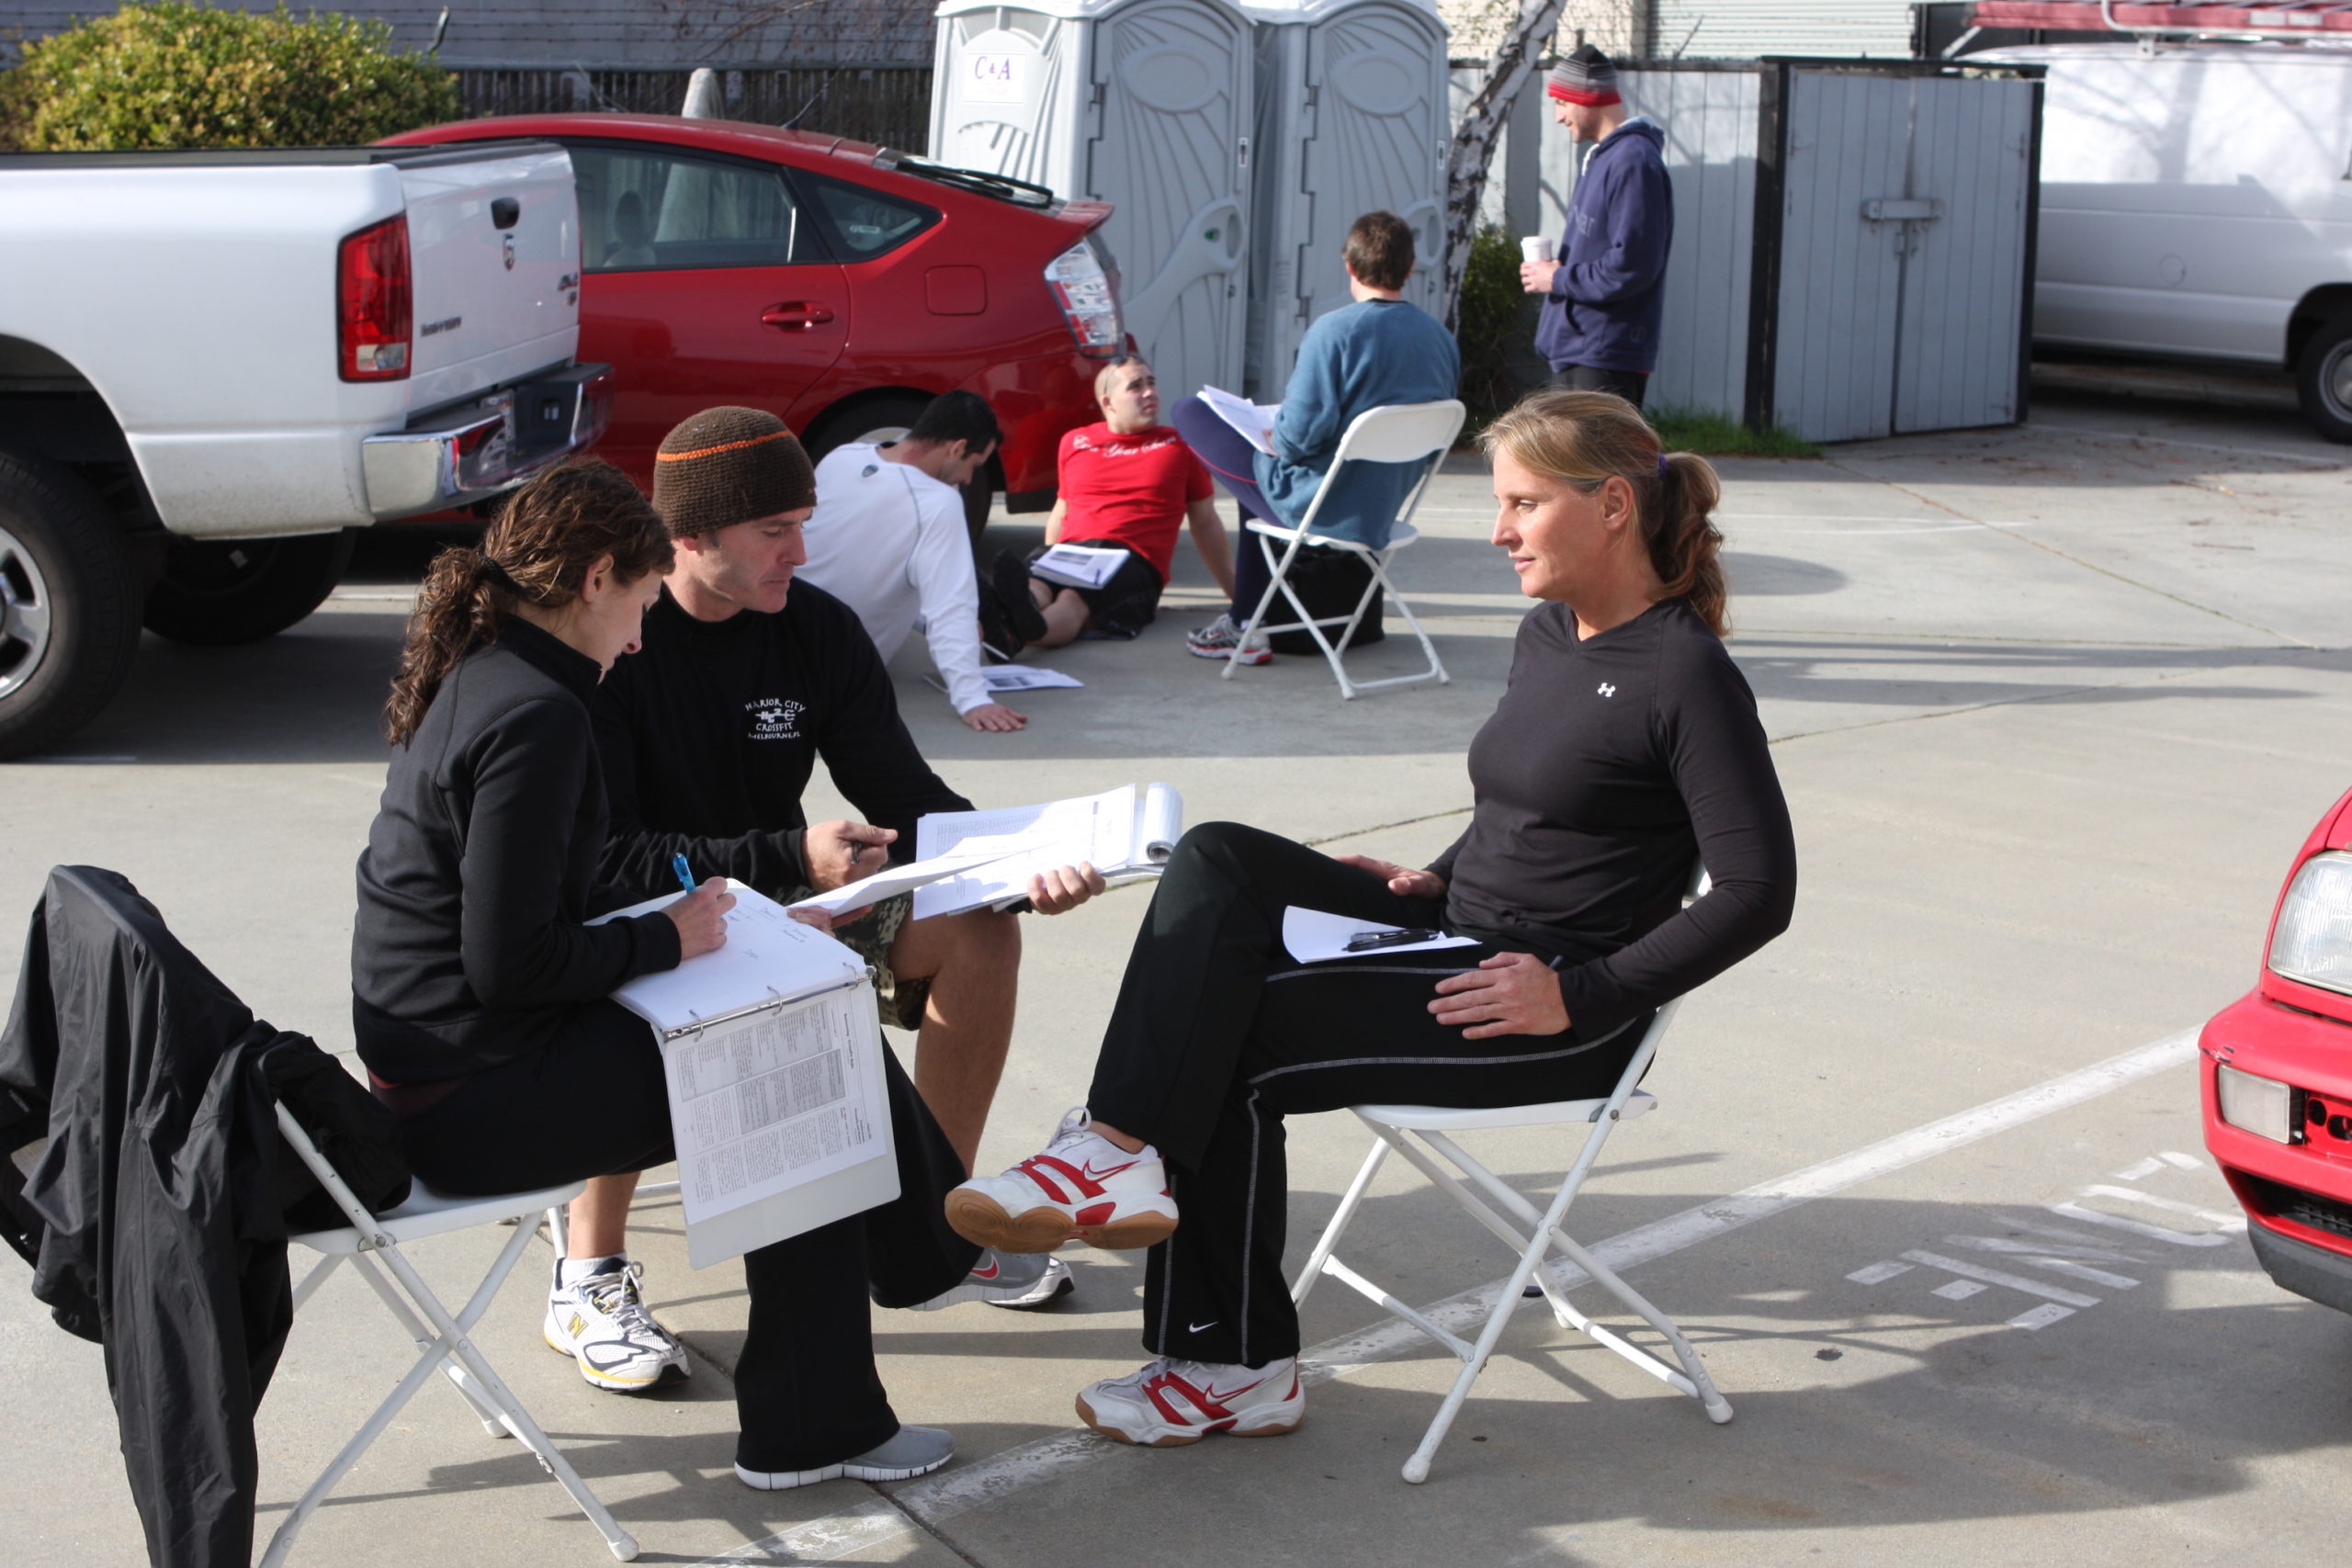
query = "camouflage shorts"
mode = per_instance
[{"x": 870, "y": 936}]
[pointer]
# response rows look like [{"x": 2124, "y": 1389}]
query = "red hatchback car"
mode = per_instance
[
  {"x": 839, "y": 285},
  {"x": 2277, "y": 1070}
]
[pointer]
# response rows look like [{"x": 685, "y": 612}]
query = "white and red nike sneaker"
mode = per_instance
[
  {"x": 1083, "y": 1188},
  {"x": 1170, "y": 1403}
]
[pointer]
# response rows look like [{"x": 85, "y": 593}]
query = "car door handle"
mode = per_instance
[{"x": 795, "y": 316}]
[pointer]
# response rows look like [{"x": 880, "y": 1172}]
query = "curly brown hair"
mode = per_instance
[
  {"x": 1583, "y": 438},
  {"x": 550, "y": 535}
]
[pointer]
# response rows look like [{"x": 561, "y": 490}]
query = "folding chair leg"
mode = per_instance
[
  {"x": 622, "y": 1544},
  {"x": 446, "y": 1347},
  {"x": 423, "y": 1337},
  {"x": 1341, "y": 1218}
]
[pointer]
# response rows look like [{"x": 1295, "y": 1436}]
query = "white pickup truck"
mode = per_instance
[{"x": 213, "y": 366}]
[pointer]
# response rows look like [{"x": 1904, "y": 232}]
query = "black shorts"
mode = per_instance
[{"x": 1122, "y": 607}]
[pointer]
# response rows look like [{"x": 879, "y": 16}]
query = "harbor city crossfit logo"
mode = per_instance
[
  {"x": 774, "y": 719},
  {"x": 1606, "y": 690}
]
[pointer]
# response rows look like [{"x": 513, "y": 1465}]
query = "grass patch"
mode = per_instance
[{"x": 1712, "y": 435}]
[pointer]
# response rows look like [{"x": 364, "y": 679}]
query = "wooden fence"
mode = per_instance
[{"x": 887, "y": 105}]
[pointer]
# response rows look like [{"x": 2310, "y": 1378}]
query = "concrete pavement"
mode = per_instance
[{"x": 2053, "y": 706}]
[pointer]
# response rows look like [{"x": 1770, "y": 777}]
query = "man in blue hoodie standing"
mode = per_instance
[{"x": 1602, "y": 297}]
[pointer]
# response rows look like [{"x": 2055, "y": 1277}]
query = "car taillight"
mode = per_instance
[
  {"x": 372, "y": 306},
  {"x": 1082, "y": 288}
]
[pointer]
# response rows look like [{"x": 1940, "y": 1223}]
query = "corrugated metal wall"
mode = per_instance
[
  {"x": 1745, "y": 30},
  {"x": 1709, "y": 118}
]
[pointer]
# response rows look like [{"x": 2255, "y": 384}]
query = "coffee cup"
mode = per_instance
[{"x": 1536, "y": 248}]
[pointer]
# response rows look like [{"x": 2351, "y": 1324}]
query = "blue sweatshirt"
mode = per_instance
[
  {"x": 1364, "y": 355},
  {"x": 1606, "y": 298}
]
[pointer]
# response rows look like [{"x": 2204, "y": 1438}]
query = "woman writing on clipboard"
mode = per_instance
[
  {"x": 480, "y": 994},
  {"x": 1626, "y": 748}
]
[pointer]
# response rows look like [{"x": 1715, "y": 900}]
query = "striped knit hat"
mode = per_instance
[
  {"x": 726, "y": 465},
  {"x": 1587, "y": 76}
]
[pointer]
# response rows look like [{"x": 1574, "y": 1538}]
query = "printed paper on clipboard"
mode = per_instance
[{"x": 779, "y": 1107}]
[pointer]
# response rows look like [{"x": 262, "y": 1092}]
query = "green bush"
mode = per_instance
[
  {"x": 173, "y": 74},
  {"x": 1488, "y": 327}
]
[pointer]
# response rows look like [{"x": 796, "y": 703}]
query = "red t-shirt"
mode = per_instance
[{"x": 1130, "y": 490}]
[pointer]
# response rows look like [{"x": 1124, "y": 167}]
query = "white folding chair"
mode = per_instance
[
  {"x": 441, "y": 1336},
  {"x": 1415, "y": 1130},
  {"x": 1402, "y": 433}
]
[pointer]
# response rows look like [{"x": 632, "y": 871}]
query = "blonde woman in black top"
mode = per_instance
[{"x": 1626, "y": 748}]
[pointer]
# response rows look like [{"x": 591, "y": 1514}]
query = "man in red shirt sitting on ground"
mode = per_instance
[{"x": 1126, "y": 483}]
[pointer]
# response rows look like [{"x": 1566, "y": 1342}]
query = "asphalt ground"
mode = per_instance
[{"x": 2053, "y": 707}]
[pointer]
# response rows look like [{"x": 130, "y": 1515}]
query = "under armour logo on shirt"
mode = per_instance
[{"x": 1607, "y": 690}]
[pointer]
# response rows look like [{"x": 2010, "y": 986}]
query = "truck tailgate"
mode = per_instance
[{"x": 495, "y": 253}]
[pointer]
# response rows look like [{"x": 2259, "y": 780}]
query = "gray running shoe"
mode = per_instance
[
  {"x": 914, "y": 1451},
  {"x": 1021, "y": 1281}
]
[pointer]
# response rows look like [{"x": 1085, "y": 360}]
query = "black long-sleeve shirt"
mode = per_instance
[
  {"x": 711, "y": 731},
  {"x": 1608, "y": 767},
  {"x": 480, "y": 867}
]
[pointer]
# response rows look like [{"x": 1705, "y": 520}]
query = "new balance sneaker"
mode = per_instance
[
  {"x": 912, "y": 1451},
  {"x": 1022, "y": 1281},
  {"x": 1171, "y": 1403},
  {"x": 1082, "y": 1187},
  {"x": 1222, "y": 639},
  {"x": 602, "y": 1323}
]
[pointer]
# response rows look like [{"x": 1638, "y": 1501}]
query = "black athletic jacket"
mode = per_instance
[
  {"x": 471, "y": 947},
  {"x": 156, "y": 1218}
]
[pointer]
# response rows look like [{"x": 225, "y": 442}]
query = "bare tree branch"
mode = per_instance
[{"x": 1481, "y": 128}]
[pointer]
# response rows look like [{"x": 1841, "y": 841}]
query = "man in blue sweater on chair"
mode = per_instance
[{"x": 1374, "y": 353}]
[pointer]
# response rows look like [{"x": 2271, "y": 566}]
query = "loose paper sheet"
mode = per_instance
[
  {"x": 1020, "y": 678},
  {"x": 1254, "y": 420},
  {"x": 888, "y": 880},
  {"x": 1122, "y": 831},
  {"x": 1314, "y": 936}
]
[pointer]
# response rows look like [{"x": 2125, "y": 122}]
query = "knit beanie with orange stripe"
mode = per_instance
[{"x": 726, "y": 465}]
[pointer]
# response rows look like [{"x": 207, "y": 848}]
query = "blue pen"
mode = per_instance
[{"x": 685, "y": 877}]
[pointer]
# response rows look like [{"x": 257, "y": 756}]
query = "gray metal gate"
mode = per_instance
[{"x": 1906, "y": 205}]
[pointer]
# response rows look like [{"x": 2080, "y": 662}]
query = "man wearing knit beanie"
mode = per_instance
[
  {"x": 1604, "y": 295},
  {"x": 707, "y": 735}
]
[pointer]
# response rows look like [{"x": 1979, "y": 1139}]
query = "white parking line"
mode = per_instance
[
  {"x": 936, "y": 1501},
  {"x": 2002, "y": 1277}
]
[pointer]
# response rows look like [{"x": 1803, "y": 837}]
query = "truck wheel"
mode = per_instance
[
  {"x": 69, "y": 605},
  {"x": 887, "y": 420},
  {"x": 2324, "y": 379},
  {"x": 220, "y": 592}
]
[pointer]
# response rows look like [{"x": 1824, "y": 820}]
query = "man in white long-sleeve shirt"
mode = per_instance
[{"x": 888, "y": 540}]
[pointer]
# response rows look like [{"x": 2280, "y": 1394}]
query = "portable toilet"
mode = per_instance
[
  {"x": 1351, "y": 117},
  {"x": 1144, "y": 104}
]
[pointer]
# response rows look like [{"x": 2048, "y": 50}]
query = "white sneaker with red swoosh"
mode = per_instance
[
  {"x": 1170, "y": 1403},
  {"x": 1082, "y": 1187}
]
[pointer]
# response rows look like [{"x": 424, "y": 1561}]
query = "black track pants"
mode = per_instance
[
  {"x": 1218, "y": 1034},
  {"x": 595, "y": 1103}
]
